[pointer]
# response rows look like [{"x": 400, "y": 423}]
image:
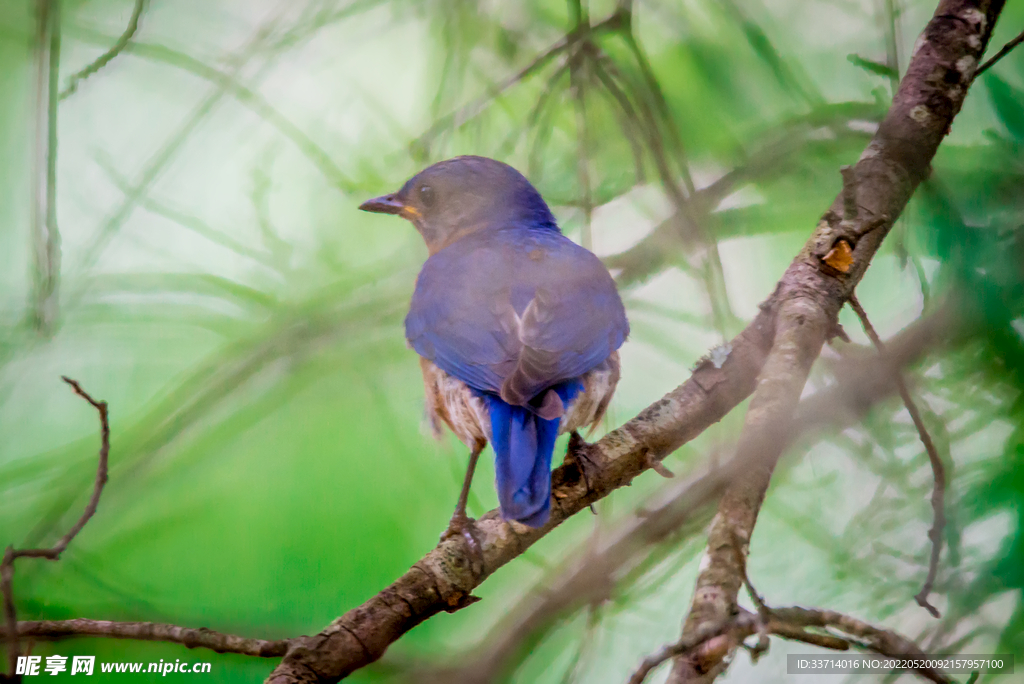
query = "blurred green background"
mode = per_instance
[{"x": 270, "y": 464}]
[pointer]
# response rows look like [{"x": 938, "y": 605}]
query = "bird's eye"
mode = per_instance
[{"x": 427, "y": 195}]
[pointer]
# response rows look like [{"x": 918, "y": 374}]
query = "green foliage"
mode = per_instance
[{"x": 270, "y": 467}]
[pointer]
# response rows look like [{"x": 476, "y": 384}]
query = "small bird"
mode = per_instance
[{"x": 517, "y": 327}]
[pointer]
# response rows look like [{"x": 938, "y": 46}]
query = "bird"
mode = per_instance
[{"x": 517, "y": 327}]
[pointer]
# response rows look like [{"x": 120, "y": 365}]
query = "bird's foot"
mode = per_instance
[
  {"x": 462, "y": 526},
  {"x": 578, "y": 456}
]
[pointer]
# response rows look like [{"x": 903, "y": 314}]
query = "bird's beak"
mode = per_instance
[{"x": 388, "y": 204}]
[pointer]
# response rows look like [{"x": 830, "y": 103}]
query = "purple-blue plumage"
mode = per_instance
[{"x": 517, "y": 325}]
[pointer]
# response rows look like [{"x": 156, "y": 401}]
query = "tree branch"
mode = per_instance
[
  {"x": 790, "y": 623},
  {"x": 839, "y": 405},
  {"x": 461, "y": 116},
  {"x": 656, "y": 249},
  {"x": 445, "y": 577},
  {"x": 938, "y": 469},
  {"x": 878, "y": 188},
  {"x": 599, "y": 564},
  {"x": 53, "y": 553},
  {"x": 152, "y": 631},
  {"x": 105, "y": 59},
  {"x": 800, "y": 314},
  {"x": 874, "y": 639},
  {"x": 999, "y": 55}
]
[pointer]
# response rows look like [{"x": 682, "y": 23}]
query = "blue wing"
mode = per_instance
[{"x": 515, "y": 311}]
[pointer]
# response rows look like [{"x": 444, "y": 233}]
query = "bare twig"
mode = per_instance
[
  {"x": 152, "y": 631},
  {"x": 871, "y": 638},
  {"x": 741, "y": 560},
  {"x": 702, "y": 636},
  {"x": 938, "y": 469},
  {"x": 714, "y": 639},
  {"x": 1005, "y": 50},
  {"x": 53, "y": 553},
  {"x": 105, "y": 59}
]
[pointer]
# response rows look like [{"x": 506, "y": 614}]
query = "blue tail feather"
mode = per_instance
[{"x": 523, "y": 444}]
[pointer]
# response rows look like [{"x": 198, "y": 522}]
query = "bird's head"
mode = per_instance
[{"x": 465, "y": 195}]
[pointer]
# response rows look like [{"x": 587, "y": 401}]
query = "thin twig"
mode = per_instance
[
  {"x": 791, "y": 623},
  {"x": 874, "y": 639},
  {"x": 660, "y": 102},
  {"x": 999, "y": 55},
  {"x": 702, "y": 635},
  {"x": 741, "y": 560},
  {"x": 938, "y": 469},
  {"x": 685, "y": 216},
  {"x": 629, "y": 120},
  {"x": 53, "y": 553},
  {"x": 466, "y": 113},
  {"x": 105, "y": 59},
  {"x": 152, "y": 631}
]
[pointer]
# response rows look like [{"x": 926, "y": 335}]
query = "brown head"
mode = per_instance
[{"x": 465, "y": 195}]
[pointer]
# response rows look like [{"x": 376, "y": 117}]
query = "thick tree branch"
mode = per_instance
[
  {"x": 600, "y": 563},
  {"x": 788, "y": 331},
  {"x": 801, "y": 311},
  {"x": 846, "y": 402},
  {"x": 444, "y": 578},
  {"x": 824, "y": 276}
]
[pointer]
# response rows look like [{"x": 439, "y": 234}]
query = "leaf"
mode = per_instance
[
  {"x": 840, "y": 257},
  {"x": 871, "y": 66},
  {"x": 1007, "y": 101}
]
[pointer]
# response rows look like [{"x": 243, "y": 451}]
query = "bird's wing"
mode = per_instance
[{"x": 515, "y": 313}]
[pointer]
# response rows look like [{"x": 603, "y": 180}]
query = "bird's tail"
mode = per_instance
[{"x": 523, "y": 443}]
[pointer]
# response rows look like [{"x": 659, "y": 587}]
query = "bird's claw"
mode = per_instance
[
  {"x": 577, "y": 455},
  {"x": 461, "y": 525}
]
